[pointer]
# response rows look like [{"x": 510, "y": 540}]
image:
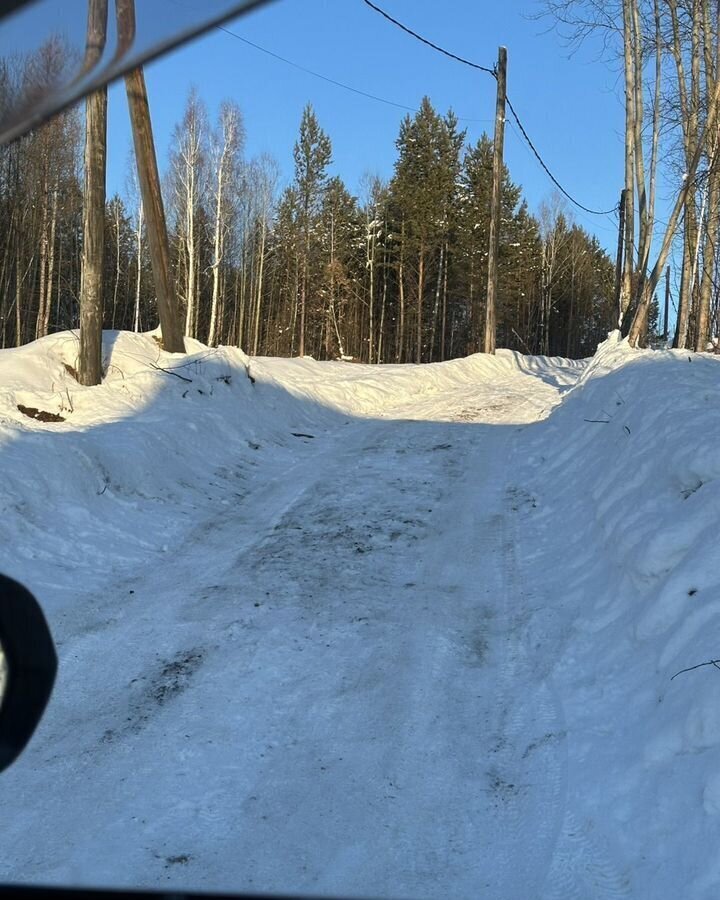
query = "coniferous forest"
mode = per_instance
[{"x": 395, "y": 274}]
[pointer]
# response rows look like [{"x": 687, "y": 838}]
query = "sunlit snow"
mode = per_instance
[{"x": 398, "y": 631}]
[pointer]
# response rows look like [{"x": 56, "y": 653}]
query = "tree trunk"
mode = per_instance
[
  {"x": 5, "y": 282},
  {"x": 91, "y": 289},
  {"x": 18, "y": 296},
  {"x": 436, "y": 305},
  {"x": 371, "y": 294},
  {"x": 190, "y": 313},
  {"x": 496, "y": 206},
  {"x": 138, "y": 280},
  {"x": 712, "y": 70},
  {"x": 45, "y": 326},
  {"x": 639, "y": 325},
  {"x": 91, "y": 273},
  {"x": 212, "y": 335},
  {"x": 401, "y": 291},
  {"x": 44, "y": 240},
  {"x": 568, "y": 343},
  {"x": 117, "y": 263},
  {"x": 687, "y": 278},
  {"x": 420, "y": 293},
  {"x": 258, "y": 300},
  {"x": 305, "y": 275},
  {"x": 444, "y": 308},
  {"x": 383, "y": 302},
  {"x": 154, "y": 211},
  {"x": 630, "y": 113}
]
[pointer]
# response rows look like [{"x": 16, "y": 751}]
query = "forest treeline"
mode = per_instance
[{"x": 397, "y": 274}]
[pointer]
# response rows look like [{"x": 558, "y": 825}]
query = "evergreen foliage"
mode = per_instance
[{"x": 398, "y": 276}]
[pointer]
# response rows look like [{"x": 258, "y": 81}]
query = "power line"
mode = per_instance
[
  {"x": 340, "y": 84},
  {"x": 295, "y": 65},
  {"x": 493, "y": 72},
  {"x": 610, "y": 226},
  {"x": 419, "y": 37},
  {"x": 594, "y": 212}
]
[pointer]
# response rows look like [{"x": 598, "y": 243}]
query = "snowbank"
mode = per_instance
[
  {"x": 625, "y": 476},
  {"x": 365, "y": 390},
  {"x": 124, "y": 471},
  {"x": 114, "y": 472}
]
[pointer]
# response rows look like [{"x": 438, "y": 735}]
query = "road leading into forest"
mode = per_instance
[{"x": 329, "y": 689}]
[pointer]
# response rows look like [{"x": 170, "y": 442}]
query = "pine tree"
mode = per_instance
[
  {"x": 423, "y": 190},
  {"x": 286, "y": 255},
  {"x": 341, "y": 240},
  {"x": 375, "y": 283},
  {"x": 119, "y": 247},
  {"x": 518, "y": 276},
  {"x": 312, "y": 154},
  {"x": 476, "y": 188}
]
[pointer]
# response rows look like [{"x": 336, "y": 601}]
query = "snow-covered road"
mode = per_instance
[{"x": 333, "y": 643}]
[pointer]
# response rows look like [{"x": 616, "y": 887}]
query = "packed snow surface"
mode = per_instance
[{"x": 401, "y": 631}]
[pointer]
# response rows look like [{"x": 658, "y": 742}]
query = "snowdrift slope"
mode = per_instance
[
  {"x": 624, "y": 558},
  {"x": 135, "y": 458},
  {"x": 398, "y": 631}
]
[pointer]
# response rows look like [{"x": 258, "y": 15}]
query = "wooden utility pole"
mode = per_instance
[
  {"x": 172, "y": 333},
  {"x": 149, "y": 179},
  {"x": 667, "y": 303},
  {"x": 619, "y": 260},
  {"x": 496, "y": 202},
  {"x": 91, "y": 279}
]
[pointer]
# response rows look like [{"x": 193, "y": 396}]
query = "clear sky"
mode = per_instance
[{"x": 570, "y": 104}]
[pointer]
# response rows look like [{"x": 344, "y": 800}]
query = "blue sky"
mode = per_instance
[{"x": 570, "y": 104}]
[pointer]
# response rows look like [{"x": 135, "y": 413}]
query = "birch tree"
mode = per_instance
[
  {"x": 264, "y": 174},
  {"x": 188, "y": 163},
  {"x": 225, "y": 148}
]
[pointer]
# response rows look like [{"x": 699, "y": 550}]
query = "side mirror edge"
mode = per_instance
[{"x": 31, "y": 666}]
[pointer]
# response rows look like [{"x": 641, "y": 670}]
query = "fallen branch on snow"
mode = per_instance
[
  {"x": 171, "y": 372},
  {"x": 711, "y": 662}
]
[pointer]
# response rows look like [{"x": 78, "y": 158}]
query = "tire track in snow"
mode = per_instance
[
  {"x": 390, "y": 683},
  {"x": 578, "y": 866},
  {"x": 519, "y": 760},
  {"x": 582, "y": 868},
  {"x": 526, "y": 769}
]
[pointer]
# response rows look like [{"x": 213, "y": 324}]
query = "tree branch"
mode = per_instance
[{"x": 711, "y": 662}]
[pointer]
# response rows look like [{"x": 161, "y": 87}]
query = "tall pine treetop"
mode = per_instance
[{"x": 312, "y": 154}]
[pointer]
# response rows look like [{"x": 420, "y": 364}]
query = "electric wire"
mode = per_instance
[
  {"x": 493, "y": 72},
  {"x": 612, "y": 216},
  {"x": 295, "y": 65},
  {"x": 593, "y": 212},
  {"x": 423, "y": 40},
  {"x": 340, "y": 84}
]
